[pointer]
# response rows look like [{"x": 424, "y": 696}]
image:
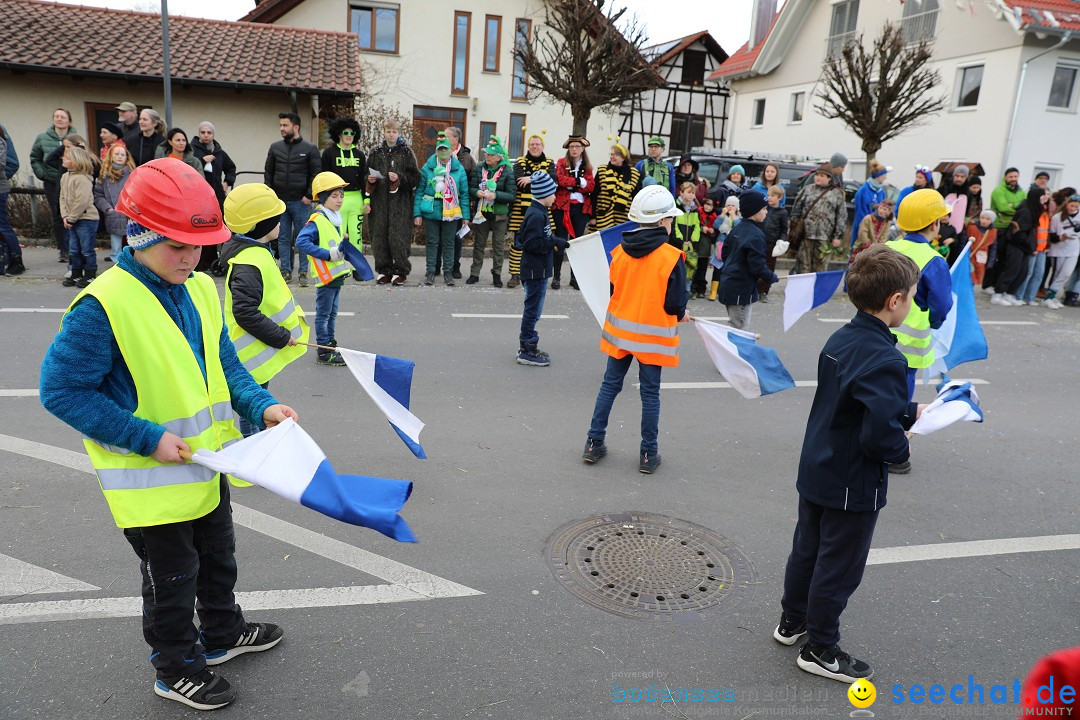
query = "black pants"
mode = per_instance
[
  {"x": 52, "y": 195},
  {"x": 828, "y": 556},
  {"x": 704, "y": 249},
  {"x": 188, "y": 567},
  {"x": 579, "y": 221},
  {"x": 1012, "y": 270}
]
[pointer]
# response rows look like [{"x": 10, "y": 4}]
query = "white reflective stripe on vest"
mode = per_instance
[
  {"x": 192, "y": 426},
  {"x": 913, "y": 332},
  {"x": 913, "y": 350},
  {"x": 283, "y": 314},
  {"x": 269, "y": 352},
  {"x": 639, "y": 347},
  {"x": 158, "y": 476},
  {"x": 643, "y": 328}
]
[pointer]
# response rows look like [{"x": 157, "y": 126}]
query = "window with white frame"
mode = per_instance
[
  {"x": 842, "y": 26},
  {"x": 968, "y": 83},
  {"x": 759, "y": 113},
  {"x": 1063, "y": 86},
  {"x": 798, "y": 105},
  {"x": 918, "y": 22}
]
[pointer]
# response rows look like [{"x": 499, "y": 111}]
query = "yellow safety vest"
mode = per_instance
[
  {"x": 913, "y": 336},
  {"x": 326, "y": 271},
  {"x": 171, "y": 392},
  {"x": 278, "y": 304}
]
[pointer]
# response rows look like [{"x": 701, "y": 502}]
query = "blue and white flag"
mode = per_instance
[
  {"x": 956, "y": 402},
  {"x": 388, "y": 381},
  {"x": 960, "y": 338},
  {"x": 803, "y": 293},
  {"x": 357, "y": 260},
  {"x": 751, "y": 369},
  {"x": 286, "y": 461},
  {"x": 590, "y": 257}
]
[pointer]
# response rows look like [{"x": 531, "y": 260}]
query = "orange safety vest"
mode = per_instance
[
  {"x": 1042, "y": 233},
  {"x": 636, "y": 322}
]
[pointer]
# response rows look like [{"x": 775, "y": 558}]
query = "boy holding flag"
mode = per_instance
[{"x": 144, "y": 368}]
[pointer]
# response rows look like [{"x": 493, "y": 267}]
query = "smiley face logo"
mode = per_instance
[{"x": 862, "y": 693}]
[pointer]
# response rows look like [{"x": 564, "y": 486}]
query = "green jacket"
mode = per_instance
[
  {"x": 687, "y": 227},
  {"x": 426, "y": 188},
  {"x": 43, "y": 146},
  {"x": 505, "y": 187},
  {"x": 1005, "y": 203}
]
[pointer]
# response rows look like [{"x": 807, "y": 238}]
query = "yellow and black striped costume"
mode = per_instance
[
  {"x": 525, "y": 166},
  {"x": 615, "y": 189}
]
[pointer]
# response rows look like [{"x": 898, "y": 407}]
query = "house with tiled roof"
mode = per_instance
[
  {"x": 686, "y": 111},
  {"x": 237, "y": 75},
  {"x": 1010, "y": 72},
  {"x": 447, "y": 64}
]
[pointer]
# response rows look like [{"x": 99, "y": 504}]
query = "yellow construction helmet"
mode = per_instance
[
  {"x": 920, "y": 209},
  {"x": 247, "y": 205},
  {"x": 326, "y": 181}
]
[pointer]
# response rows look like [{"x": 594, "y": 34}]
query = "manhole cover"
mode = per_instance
[{"x": 650, "y": 567}]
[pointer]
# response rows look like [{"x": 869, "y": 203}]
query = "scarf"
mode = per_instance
[
  {"x": 489, "y": 205},
  {"x": 450, "y": 199},
  {"x": 334, "y": 217},
  {"x": 874, "y": 184}
]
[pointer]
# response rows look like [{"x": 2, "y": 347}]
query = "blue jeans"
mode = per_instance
[
  {"x": 1036, "y": 265},
  {"x": 326, "y": 305},
  {"x": 81, "y": 245},
  {"x": 296, "y": 214},
  {"x": 649, "y": 376},
  {"x": 10, "y": 249},
  {"x": 116, "y": 245},
  {"x": 535, "y": 292}
]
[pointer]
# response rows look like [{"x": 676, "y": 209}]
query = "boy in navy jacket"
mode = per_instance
[
  {"x": 855, "y": 430},
  {"x": 537, "y": 243}
]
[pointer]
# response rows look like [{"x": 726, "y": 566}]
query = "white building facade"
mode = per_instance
[{"x": 1010, "y": 78}]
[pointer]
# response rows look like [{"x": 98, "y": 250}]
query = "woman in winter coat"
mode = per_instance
[
  {"x": 143, "y": 145},
  {"x": 573, "y": 200},
  {"x": 924, "y": 178},
  {"x": 391, "y": 200},
  {"x": 731, "y": 187},
  {"x": 44, "y": 144},
  {"x": 687, "y": 171},
  {"x": 115, "y": 169},
  {"x": 770, "y": 177},
  {"x": 176, "y": 147},
  {"x": 616, "y": 185},
  {"x": 1022, "y": 238},
  {"x": 869, "y": 194},
  {"x": 1064, "y": 251}
]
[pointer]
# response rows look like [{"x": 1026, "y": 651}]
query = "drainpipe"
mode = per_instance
[
  {"x": 166, "y": 68},
  {"x": 1020, "y": 94}
]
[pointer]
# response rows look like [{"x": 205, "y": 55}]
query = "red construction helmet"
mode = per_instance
[{"x": 173, "y": 199}]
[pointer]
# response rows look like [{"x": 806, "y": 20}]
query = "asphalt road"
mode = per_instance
[{"x": 504, "y": 474}]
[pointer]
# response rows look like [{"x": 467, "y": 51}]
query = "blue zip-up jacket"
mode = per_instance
[
  {"x": 86, "y": 383},
  {"x": 934, "y": 292},
  {"x": 858, "y": 419}
]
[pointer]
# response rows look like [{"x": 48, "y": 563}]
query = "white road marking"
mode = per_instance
[
  {"x": 27, "y": 392},
  {"x": 981, "y": 322},
  {"x": 497, "y": 316},
  {"x": 975, "y": 548},
  {"x": 798, "y": 383},
  {"x": 33, "y": 310},
  {"x": 405, "y": 583},
  {"x": 346, "y": 314},
  {"x": 22, "y": 578}
]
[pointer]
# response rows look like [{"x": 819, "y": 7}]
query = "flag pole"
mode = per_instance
[{"x": 321, "y": 347}]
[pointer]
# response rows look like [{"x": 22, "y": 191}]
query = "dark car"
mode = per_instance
[{"x": 714, "y": 166}]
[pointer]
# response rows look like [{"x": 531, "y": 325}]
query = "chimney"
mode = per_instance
[{"x": 761, "y": 20}]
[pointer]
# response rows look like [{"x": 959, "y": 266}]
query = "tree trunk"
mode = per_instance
[
  {"x": 581, "y": 119},
  {"x": 871, "y": 156}
]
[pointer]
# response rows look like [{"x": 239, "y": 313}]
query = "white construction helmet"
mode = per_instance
[{"x": 651, "y": 204}]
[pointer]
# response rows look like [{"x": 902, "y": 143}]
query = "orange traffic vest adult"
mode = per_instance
[{"x": 636, "y": 323}]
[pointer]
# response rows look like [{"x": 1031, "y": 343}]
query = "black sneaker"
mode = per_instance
[
  {"x": 573, "y": 283},
  {"x": 457, "y": 273},
  {"x": 556, "y": 283},
  {"x": 256, "y": 637},
  {"x": 594, "y": 450},
  {"x": 473, "y": 279},
  {"x": 429, "y": 278},
  {"x": 833, "y": 663},
  {"x": 900, "y": 468},
  {"x": 496, "y": 281},
  {"x": 788, "y": 633},
  {"x": 448, "y": 279},
  {"x": 329, "y": 357},
  {"x": 530, "y": 356},
  {"x": 203, "y": 691},
  {"x": 649, "y": 463}
]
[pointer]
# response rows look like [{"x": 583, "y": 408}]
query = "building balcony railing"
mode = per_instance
[
  {"x": 835, "y": 44},
  {"x": 921, "y": 27}
]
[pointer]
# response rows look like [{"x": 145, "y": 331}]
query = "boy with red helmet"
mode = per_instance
[{"x": 144, "y": 368}]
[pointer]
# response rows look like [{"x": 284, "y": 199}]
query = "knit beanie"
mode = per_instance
[
  {"x": 991, "y": 213},
  {"x": 736, "y": 169},
  {"x": 140, "y": 237},
  {"x": 732, "y": 200},
  {"x": 263, "y": 228},
  {"x": 963, "y": 169},
  {"x": 542, "y": 185},
  {"x": 751, "y": 203},
  {"x": 838, "y": 160}
]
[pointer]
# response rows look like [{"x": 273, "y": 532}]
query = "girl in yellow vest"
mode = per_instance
[
  {"x": 264, "y": 321},
  {"x": 144, "y": 368},
  {"x": 321, "y": 239}
]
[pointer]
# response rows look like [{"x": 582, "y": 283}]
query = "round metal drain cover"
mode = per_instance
[{"x": 650, "y": 567}]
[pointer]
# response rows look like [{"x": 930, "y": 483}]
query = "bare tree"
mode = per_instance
[
  {"x": 581, "y": 56},
  {"x": 882, "y": 92}
]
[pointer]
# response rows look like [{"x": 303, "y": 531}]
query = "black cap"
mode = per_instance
[
  {"x": 114, "y": 128},
  {"x": 750, "y": 203}
]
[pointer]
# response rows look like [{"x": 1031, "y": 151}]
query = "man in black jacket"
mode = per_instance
[
  {"x": 855, "y": 430},
  {"x": 291, "y": 164}
]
